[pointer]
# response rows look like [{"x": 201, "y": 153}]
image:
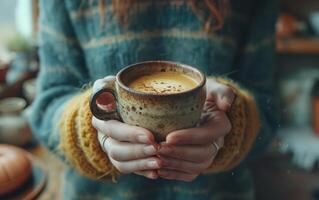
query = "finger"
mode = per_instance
[
  {"x": 125, "y": 151},
  {"x": 102, "y": 139},
  {"x": 221, "y": 94},
  {"x": 151, "y": 174},
  {"x": 192, "y": 153},
  {"x": 225, "y": 100},
  {"x": 198, "y": 135},
  {"x": 220, "y": 144},
  {"x": 176, "y": 175},
  {"x": 217, "y": 126},
  {"x": 123, "y": 132},
  {"x": 137, "y": 165},
  {"x": 103, "y": 81},
  {"x": 195, "y": 136},
  {"x": 185, "y": 166}
]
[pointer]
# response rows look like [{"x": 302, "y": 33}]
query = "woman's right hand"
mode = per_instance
[{"x": 131, "y": 149}]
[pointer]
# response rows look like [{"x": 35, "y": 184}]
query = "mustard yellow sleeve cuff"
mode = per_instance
[
  {"x": 244, "y": 117},
  {"x": 79, "y": 141}
]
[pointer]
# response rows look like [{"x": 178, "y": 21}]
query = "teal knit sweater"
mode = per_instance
[{"x": 75, "y": 51}]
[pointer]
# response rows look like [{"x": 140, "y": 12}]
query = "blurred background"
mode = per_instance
[{"x": 289, "y": 170}]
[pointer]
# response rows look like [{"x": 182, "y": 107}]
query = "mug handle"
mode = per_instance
[{"x": 105, "y": 85}]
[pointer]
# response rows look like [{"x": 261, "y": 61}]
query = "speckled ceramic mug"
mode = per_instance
[{"x": 160, "y": 113}]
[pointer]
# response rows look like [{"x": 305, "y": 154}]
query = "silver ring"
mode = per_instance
[
  {"x": 104, "y": 138},
  {"x": 217, "y": 147}
]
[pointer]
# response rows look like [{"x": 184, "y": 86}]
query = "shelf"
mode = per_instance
[{"x": 297, "y": 45}]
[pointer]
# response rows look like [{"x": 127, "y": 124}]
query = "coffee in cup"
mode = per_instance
[
  {"x": 160, "y": 96},
  {"x": 164, "y": 83}
]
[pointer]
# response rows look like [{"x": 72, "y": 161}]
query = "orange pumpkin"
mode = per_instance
[{"x": 15, "y": 168}]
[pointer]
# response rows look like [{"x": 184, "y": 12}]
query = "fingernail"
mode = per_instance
[
  {"x": 152, "y": 164},
  {"x": 150, "y": 150},
  {"x": 142, "y": 139}
]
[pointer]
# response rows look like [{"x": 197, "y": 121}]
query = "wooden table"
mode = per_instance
[{"x": 55, "y": 169}]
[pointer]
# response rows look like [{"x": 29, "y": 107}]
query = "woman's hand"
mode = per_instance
[
  {"x": 131, "y": 149},
  {"x": 187, "y": 153}
]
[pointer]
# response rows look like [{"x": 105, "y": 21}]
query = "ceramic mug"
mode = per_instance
[{"x": 159, "y": 113}]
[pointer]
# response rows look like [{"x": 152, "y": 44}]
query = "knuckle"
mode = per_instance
[
  {"x": 149, "y": 175},
  {"x": 210, "y": 152},
  {"x": 191, "y": 178},
  {"x": 192, "y": 170},
  {"x": 171, "y": 175},
  {"x": 207, "y": 163},
  {"x": 108, "y": 123},
  {"x": 95, "y": 123},
  {"x": 132, "y": 135},
  {"x": 97, "y": 83},
  {"x": 195, "y": 169},
  {"x": 107, "y": 78},
  {"x": 228, "y": 126},
  {"x": 142, "y": 165},
  {"x": 121, "y": 167},
  {"x": 228, "y": 90},
  {"x": 121, "y": 170},
  {"x": 108, "y": 127},
  {"x": 137, "y": 152},
  {"x": 112, "y": 153},
  {"x": 116, "y": 164}
]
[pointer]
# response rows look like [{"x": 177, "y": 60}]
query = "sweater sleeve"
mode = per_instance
[
  {"x": 254, "y": 112},
  {"x": 61, "y": 104}
]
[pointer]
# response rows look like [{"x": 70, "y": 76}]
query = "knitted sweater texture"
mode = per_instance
[{"x": 75, "y": 50}]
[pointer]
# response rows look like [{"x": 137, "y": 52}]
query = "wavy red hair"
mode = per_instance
[{"x": 218, "y": 9}]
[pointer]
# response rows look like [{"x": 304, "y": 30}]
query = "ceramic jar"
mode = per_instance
[{"x": 14, "y": 127}]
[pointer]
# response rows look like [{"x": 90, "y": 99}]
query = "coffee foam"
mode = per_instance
[{"x": 164, "y": 83}]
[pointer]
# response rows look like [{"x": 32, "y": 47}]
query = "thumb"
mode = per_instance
[
  {"x": 221, "y": 94},
  {"x": 225, "y": 99}
]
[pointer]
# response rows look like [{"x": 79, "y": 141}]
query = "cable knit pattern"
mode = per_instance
[
  {"x": 69, "y": 141},
  {"x": 251, "y": 131},
  {"x": 89, "y": 141},
  {"x": 79, "y": 140}
]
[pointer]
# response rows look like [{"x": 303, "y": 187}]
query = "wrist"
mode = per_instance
[{"x": 79, "y": 141}]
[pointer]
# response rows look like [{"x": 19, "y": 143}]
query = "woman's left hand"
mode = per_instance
[{"x": 187, "y": 153}]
